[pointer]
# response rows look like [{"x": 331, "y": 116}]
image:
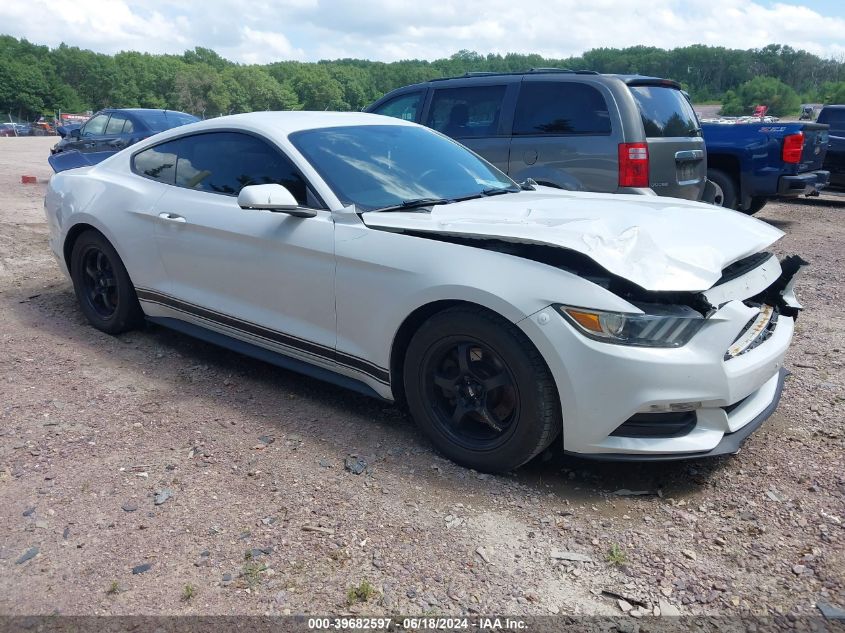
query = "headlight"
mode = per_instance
[{"x": 660, "y": 326}]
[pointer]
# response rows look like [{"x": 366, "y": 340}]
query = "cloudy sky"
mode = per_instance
[{"x": 259, "y": 31}]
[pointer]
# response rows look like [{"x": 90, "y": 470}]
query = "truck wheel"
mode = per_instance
[
  {"x": 727, "y": 196},
  {"x": 757, "y": 203}
]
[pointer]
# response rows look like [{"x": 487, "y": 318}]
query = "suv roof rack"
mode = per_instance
[{"x": 493, "y": 73}]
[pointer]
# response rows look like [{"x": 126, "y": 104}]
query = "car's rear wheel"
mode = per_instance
[
  {"x": 480, "y": 390},
  {"x": 102, "y": 285}
]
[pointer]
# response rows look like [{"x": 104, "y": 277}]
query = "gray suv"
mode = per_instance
[{"x": 571, "y": 129}]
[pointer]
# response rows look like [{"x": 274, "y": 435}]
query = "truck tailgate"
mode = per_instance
[{"x": 815, "y": 147}]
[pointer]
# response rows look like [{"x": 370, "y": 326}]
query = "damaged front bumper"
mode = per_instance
[{"x": 703, "y": 399}]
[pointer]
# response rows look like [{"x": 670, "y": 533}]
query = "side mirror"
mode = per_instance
[
  {"x": 274, "y": 198},
  {"x": 75, "y": 132}
]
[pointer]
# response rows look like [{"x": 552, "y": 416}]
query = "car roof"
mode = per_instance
[{"x": 289, "y": 121}]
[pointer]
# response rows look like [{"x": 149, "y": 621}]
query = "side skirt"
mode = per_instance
[{"x": 266, "y": 355}]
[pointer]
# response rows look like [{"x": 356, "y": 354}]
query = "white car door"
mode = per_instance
[{"x": 263, "y": 277}]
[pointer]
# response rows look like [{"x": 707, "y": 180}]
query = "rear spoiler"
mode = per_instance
[
  {"x": 72, "y": 159},
  {"x": 652, "y": 81}
]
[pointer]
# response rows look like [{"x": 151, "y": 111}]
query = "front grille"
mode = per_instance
[
  {"x": 749, "y": 339},
  {"x": 673, "y": 424}
]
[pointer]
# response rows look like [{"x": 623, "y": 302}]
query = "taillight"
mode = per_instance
[
  {"x": 633, "y": 165},
  {"x": 793, "y": 146}
]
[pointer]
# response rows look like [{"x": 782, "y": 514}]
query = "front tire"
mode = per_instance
[
  {"x": 102, "y": 285},
  {"x": 480, "y": 390}
]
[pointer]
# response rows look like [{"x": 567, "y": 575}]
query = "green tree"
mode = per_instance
[
  {"x": 768, "y": 91},
  {"x": 199, "y": 89}
]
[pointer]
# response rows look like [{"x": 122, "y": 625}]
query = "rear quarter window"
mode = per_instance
[
  {"x": 157, "y": 163},
  {"x": 560, "y": 108},
  {"x": 665, "y": 112}
]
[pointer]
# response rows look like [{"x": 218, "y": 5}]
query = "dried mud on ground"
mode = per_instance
[{"x": 257, "y": 513}]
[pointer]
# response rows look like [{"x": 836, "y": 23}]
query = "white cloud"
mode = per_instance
[{"x": 269, "y": 30}]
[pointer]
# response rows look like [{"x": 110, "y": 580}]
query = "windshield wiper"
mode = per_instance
[
  {"x": 495, "y": 191},
  {"x": 490, "y": 191},
  {"x": 413, "y": 204}
]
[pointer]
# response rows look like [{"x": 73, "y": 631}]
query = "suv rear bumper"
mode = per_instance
[{"x": 807, "y": 183}]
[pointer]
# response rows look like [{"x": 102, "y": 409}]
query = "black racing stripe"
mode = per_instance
[
  {"x": 315, "y": 349},
  {"x": 197, "y": 316}
]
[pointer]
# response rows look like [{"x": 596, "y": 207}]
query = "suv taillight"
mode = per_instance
[
  {"x": 793, "y": 146},
  {"x": 633, "y": 165}
]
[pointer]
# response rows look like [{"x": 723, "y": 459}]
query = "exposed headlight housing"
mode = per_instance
[{"x": 659, "y": 326}]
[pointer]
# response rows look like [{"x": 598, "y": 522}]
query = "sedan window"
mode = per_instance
[
  {"x": 95, "y": 126},
  {"x": 115, "y": 125},
  {"x": 377, "y": 166}
]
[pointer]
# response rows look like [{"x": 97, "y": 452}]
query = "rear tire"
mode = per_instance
[
  {"x": 728, "y": 196},
  {"x": 480, "y": 390},
  {"x": 102, "y": 285}
]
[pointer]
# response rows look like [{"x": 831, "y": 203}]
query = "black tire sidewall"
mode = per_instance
[
  {"x": 128, "y": 313},
  {"x": 727, "y": 185},
  {"x": 527, "y": 435}
]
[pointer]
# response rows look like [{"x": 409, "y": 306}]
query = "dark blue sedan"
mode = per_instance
[{"x": 109, "y": 131}]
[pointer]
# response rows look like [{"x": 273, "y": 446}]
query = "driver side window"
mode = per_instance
[{"x": 95, "y": 125}]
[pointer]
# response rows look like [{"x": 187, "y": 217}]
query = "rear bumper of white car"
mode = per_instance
[{"x": 609, "y": 393}]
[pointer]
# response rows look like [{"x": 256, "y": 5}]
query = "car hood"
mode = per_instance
[{"x": 661, "y": 244}]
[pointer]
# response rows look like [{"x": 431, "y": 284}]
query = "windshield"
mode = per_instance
[
  {"x": 377, "y": 166},
  {"x": 165, "y": 119},
  {"x": 665, "y": 112}
]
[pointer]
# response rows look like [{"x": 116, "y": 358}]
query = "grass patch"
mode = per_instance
[
  {"x": 252, "y": 572},
  {"x": 113, "y": 589},
  {"x": 362, "y": 593},
  {"x": 188, "y": 592},
  {"x": 616, "y": 556}
]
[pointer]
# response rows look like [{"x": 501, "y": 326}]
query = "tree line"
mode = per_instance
[{"x": 36, "y": 79}]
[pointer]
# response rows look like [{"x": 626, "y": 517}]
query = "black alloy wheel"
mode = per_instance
[
  {"x": 480, "y": 390},
  {"x": 99, "y": 282},
  {"x": 473, "y": 393},
  {"x": 105, "y": 292}
]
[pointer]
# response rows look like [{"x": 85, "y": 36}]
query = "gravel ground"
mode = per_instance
[{"x": 257, "y": 514}]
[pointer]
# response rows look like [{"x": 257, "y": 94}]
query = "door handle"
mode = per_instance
[{"x": 172, "y": 217}]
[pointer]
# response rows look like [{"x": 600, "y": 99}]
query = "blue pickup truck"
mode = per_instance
[{"x": 751, "y": 163}]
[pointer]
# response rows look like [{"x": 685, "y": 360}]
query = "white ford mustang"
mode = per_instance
[{"x": 382, "y": 256}]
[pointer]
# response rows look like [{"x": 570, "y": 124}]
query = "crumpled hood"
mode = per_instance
[{"x": 658, "y": 243}]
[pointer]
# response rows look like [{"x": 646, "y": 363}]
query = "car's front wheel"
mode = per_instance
[
  {"x": 102, "y": 285},
  {"x": 480, "y": 390}
]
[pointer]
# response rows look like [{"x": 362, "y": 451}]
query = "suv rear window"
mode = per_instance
[
  {"x": 665, "y": 112},
  {"x": 560, "y": 108}
]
